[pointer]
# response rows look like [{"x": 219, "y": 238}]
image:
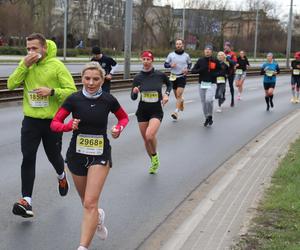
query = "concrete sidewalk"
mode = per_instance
[{"x": 218, "y": 211}]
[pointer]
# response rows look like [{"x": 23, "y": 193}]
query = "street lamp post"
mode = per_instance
[
  {"x": 183, "y": 20},
  {"x": 127, "y": 38},
  {"x": 289, "y": 39},
  {"x": 65, "y": 29},
  {"x": 256, "y": 31}
]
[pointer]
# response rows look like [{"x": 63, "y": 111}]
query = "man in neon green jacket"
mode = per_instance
[{"x": 47, "y": 83}]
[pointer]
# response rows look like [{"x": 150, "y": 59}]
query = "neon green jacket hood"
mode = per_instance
[{"x": 48, "y": 72}]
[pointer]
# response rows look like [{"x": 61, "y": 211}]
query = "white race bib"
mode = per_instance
[
  {"x": 205, "y": 85},
  {"x": 269, "y": 73},
  {"x": 150, "y": 96},
  {"x": 37, "y": 101},
  {"x": 221, "y": 79},
  {"x": 89, "y": 144},
  {"x": 296, "y": 72},
  {"x": 239, "y": 71}
]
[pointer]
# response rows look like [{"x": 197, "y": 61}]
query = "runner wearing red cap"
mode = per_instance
[
  {"x": 150, "y": 113},
  {"x": 295, "y": 79}
]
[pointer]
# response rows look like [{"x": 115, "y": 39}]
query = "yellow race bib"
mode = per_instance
[
  {"x": 221, "y": 79},
  {"x": 172, "y": 77},
  {"x": 270, "y": 73},
  {"x": 150, "y": 96},
  {"x": 296, "y": 72},
  {"x": 37, "y": 101},
  {"x": 89, "y": 144}
]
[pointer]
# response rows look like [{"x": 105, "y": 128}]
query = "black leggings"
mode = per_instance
[
  {"x": 230, "y": 81},
  {"x": 34, "y": 131},
  {"x": 106, "y": 86}
]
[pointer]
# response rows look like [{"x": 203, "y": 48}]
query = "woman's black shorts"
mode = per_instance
[
  {"x": 79, "y": 164},
  {"x": 147, "y": 111},
  {"x": 180, "y": 82},
  {"x": 295, "y": 81},
  {"x": 269, "y": 85}
]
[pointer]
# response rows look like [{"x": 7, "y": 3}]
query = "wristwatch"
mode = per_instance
[{"x": 52, "y": 92}]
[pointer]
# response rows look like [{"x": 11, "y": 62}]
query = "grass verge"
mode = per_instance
[{"x": 277, "y": 223}]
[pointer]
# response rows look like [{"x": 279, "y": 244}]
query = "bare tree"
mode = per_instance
[
  {"x": 167, "y": 25},
  {"x": 143, "y": 27}
]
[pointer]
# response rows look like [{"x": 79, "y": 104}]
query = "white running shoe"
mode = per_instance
[
  {"x": 82, "y": 248},
  {"x": 219, "y": 110},
  {"x": 101, "y": 231}
]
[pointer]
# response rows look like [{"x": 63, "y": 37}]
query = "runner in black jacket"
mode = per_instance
[
  {"x": 107, "y": 63},
  {"x": 207, "y": 67}
]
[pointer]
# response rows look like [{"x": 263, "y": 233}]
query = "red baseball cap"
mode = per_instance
[{"x": 147, "y": 54}]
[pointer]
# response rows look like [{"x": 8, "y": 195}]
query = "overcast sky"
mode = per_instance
[{"x": 282, "y": 6}]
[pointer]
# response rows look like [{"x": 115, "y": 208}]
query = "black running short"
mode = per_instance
[
  {"x": 295, "y": 81},
  {"x": 269, "y": 85},
  {"x": 147, "y": 111},
  {"x": 79, "y": 164},
  {"x": 180, "y": 82}
]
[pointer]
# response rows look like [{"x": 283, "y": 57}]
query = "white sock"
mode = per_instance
[
  {"x": 61, "y": 176},
  {"x": 176, "y": 110},
  {"x": 28, "y": 199}
]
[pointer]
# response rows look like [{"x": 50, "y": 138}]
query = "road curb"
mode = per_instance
[{"x": 214, "y": 214}]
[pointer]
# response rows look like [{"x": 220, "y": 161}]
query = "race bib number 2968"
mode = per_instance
[{"x": 89, "y": 144}]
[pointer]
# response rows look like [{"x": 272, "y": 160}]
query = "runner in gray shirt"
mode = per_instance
[{"x": 180, "y": 63}]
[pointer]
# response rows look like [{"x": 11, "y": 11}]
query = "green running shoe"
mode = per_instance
[{"x": 155, "y": 164}]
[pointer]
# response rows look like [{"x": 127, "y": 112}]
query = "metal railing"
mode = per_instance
[{"x": 117, "y": 83}]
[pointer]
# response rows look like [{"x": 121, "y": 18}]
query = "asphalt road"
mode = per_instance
[{"x": 135, "y": 202}]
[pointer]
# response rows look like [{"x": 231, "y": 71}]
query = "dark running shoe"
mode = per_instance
[
  {"x": 22, "y": 208},
  {"x": 63, "y": 186},
  {"x": 174, "y": 116},
  {"x": 206, "y": 122},
  {"x": 210, "y": 121}
]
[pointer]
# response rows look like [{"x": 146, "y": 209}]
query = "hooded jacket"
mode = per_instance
[{"x": 49, "y": 72}]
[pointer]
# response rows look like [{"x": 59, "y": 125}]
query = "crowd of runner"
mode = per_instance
[{"x": 50, "y": 96}]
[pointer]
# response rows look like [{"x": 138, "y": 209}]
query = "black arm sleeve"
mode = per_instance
[
  {"x": 114, "y": 104},
  {"x": 68, "y": 103},
  {"x": 247, "y": 62},
  {"x": 167, "y": 65},
  {"x": 168, "y": 84},
  {"x": 112, "y": 62},
  {"x": 134, "y": 84},
  {"x": 278, "y": 69}
]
